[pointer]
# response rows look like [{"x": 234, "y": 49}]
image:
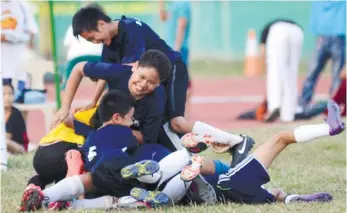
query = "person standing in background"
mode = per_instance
[
  {"x": 281, "y": 46},
  {"x": 328, "y": 23},
  {"x": 18, "y": 28},
  {"x": 178, "y": 18}
]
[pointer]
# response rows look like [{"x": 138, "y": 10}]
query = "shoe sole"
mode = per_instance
[
  {"x": 152, "y": 198},
  {"x": 192, "y": 145},
  {"x": 334, "y": 108},
  {"x": 30, "y": 200},
  {"x": 273, "y": 116},
  {"x": 139, "y": 169}
]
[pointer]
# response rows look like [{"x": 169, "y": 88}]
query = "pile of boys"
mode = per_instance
[{"x": 134, "y": 148}]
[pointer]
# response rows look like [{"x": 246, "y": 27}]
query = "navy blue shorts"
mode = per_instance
[
  {"x": 243, "y": 183},
  {"x": 176, "y": 89},
  {"x": 151, "y": 151}
]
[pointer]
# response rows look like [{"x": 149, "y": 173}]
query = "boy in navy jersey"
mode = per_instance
[
  {"x": 124, "y": 41},
  {"x": 106, "y": 151}
]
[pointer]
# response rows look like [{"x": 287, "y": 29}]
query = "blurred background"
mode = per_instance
[{"x": 224, "y": 44}]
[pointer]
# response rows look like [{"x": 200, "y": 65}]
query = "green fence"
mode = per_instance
[{"x": 219, "y": 28}]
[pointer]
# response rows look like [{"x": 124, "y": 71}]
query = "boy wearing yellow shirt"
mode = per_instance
[{"x": 53, "y": 156}]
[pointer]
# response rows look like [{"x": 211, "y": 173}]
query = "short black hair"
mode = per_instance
[
  {"x": 86, "y": 20},
  {"x": 8, "y": 85},
  {"x": 97, "y": 6},
  {"x": 157, "y": 60},
  {"x": 115, "y": 101}
]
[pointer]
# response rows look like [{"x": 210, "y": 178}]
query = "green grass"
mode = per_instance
[{"x": 301, "y": 168}]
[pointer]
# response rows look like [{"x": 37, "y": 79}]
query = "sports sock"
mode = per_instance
[
  {"x": 176, "y": 188},
  {"x": 65, "y": 190},
  {"x": 97, "y": 203},
  {"x": 169, "y": 166},
  {"x": 288, "y": 198},
  {"x": 307, "y": 133},
  {"x": 217, "y": 135}
]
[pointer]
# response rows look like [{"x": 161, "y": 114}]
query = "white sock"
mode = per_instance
[
  {"x": 66, "y": 189},
  {"x": 104, "y": 202},
  {"x": 176, "y": 188},
  {"x": 289, "y": 198},
  {"x": 169, "y": 166},
  {"x": 150, "y": 178},
  {"x": 307, "y": 133},
  {"x": 217, "y": 135}
]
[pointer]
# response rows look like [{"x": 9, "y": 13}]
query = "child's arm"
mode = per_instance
[{"x": 70, "y": 91}]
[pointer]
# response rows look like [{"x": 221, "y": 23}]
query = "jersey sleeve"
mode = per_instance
[
  {"x": 101, "y": 70},
  {"x": 82, "y": 129},
  {"x": 136, "y": 41},
  {"x": 184, "y": 10},
  {"x": 151, "y": 126}
]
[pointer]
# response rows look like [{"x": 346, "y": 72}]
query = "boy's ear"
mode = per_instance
[{"x": 116, "y": 118}]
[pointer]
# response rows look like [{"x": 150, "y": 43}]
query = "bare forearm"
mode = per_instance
[
  {"x": 181, "y": 28},
  {"x": 72, "y": 85},
  {"x": 98, "y": 91}
]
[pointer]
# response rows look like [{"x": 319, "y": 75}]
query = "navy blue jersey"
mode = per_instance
[
  {"x": 149, "y": 110},
  {"x": 134, "y": 38},
  {"x": 106, "y": 143}
]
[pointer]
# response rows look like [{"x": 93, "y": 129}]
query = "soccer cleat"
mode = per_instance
[
  {"x": 32, "y": 199},
  {"x": 190, "y": 172},
  {"x": 59, "y": 205},
  {"x": 272, "y": 116},
  {"x": 334, "y": 118},
  {"x": 194, "y": 143},
  {"x": 200, "y": 190},
  {"x": 317, "y": 197},
  {"x": 145, "y": 167},
  {"x": 240, "y": 151},
  {"x": 152, "y": 198}
]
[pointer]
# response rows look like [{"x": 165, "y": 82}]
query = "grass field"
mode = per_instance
[{"x": 301, "y": 168}]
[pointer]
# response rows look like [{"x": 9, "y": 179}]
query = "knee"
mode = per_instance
[
  {"x": 283, "y": 137},
  {"x": 176, "y": 124}
]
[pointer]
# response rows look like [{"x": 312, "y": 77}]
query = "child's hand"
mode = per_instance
[
  {"x": 59, "y": 117},
  {"x": 84, "y": 108}
]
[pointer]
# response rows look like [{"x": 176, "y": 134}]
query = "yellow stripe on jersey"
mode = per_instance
[{"x": 64, "y": 133}]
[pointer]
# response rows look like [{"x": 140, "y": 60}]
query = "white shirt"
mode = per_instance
[
  {"x": 18, "y": 20},
  {"x": 80, "y": 47}
]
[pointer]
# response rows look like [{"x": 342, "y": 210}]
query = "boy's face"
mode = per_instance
[
  {"x": 7, "y": 96},
  {"x": 126, "y": 120},
  {"x": 102, "y": 35},
  {"x": 143, "y": 80}
]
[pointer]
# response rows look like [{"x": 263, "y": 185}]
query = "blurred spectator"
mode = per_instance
[
  {"x": 328, "y": 22},
  {"x": 281, "y": 47},
  {"x": 18, "y": 28},
  {"x": 16, "y": 135},
  {"x": 340, "y": 94},
  {"x": 178, "y": 18},
  {"x": 80, "y": 49}
]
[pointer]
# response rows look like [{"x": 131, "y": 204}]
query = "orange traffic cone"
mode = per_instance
[{"x": 251, "y": 60}]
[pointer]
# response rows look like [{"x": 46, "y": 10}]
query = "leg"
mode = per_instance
[
  {"x": 176, "y": 86},
  {"x": 290, "y": 90},
  {"x": 338, "y": 52},
  {"x": 268, "y": 151},
  {"x": 276, "y": 56},
  {"x": 282, "y": 196},
  {"x": 64, "y": 190},
  {"x": 320, "y": 57}
]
